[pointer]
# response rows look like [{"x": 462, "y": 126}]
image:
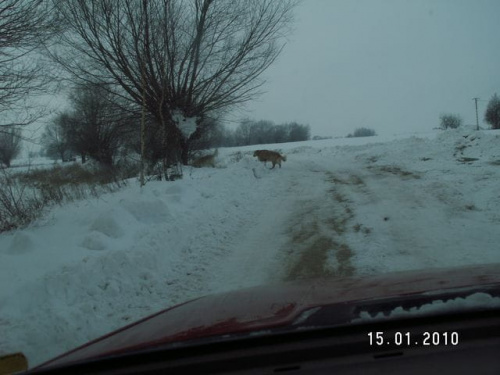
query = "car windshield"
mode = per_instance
[{"x": 155, "y": 152}]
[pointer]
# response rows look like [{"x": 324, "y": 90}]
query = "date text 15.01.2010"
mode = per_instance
[{"x": 413, "y": 339}]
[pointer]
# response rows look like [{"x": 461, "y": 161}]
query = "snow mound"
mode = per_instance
[
  {"x": 173, "y": 194},
  {"x": 107, "y": 225},
  {"x": 21, "y": 244},
  {"x": 95, "y": 241},
  {"x": 147, "y": 211}
]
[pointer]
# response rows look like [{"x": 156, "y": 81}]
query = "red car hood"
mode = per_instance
[{"x": 273, "y": 306}]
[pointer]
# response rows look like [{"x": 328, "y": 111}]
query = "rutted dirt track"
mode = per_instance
[
  {"x": 363, "y": 209},
  {"x": 316, "y": 245},
  {"x": 298, "y": 231}
]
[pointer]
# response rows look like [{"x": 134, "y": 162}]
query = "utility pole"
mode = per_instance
[{"x": 477, "y": 118}]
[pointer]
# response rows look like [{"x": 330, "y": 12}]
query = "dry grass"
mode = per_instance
[
  {"x": 74, "y": 174},
  {"x": 24, "y": 196}
]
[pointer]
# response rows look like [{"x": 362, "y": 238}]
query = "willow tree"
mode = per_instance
[{"x": 184, "y": 59}]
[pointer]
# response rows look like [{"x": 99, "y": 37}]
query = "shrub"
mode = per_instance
[
  {"x": 450, "y": 121},
  {"x": 18, "y": 205},
  {"x": 362, "y": 132},
  {"x": 23, "y": 196}
]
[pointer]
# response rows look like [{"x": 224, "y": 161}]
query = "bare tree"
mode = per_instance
[
  {"x": 197, "y": 56},
  {"x": 54, "y": 138},
  {"x": 10, "y": 145},
  {"x": 24, "y": 26},
  {"x": 244, "y": 131},
  {"x": 97, "y": 127}
]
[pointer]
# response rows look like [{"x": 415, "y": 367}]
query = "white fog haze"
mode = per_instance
[
  {"x": 390, "y": 65},
  {"x": 187, "y": 148}
]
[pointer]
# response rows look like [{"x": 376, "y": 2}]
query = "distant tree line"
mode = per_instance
[
  {"x": 362, "y": 132},
  {"x": 252, "y": 132}
]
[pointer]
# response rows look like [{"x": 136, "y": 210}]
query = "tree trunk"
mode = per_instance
[
  {"x": 184, "y": 153},
  {"x": 106, "y": 159}
]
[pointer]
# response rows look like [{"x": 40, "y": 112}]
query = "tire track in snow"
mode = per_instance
[
  {"x": 414, "y": 221},
  {"x": 254, "y": 251},
  {"x": 295, "y": 231},
  {"x": 317, "y": 244}
]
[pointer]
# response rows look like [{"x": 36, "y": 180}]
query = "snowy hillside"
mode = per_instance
[{"x": 337, "y": 207}]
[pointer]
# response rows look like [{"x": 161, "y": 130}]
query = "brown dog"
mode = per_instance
[
  {"x": 272, "y": 156},
  {"x": 205, "y": 161}
]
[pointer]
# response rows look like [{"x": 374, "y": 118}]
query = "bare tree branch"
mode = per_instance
[{"x": 24, "y": 26}]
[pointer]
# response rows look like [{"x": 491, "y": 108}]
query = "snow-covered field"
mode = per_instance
[{"x": 337, "y": 207}]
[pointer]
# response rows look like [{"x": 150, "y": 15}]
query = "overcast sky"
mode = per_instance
[{"x": 390, "y": 65}]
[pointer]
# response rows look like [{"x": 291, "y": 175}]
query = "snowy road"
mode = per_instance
[{"x": 332, "y": 209}]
